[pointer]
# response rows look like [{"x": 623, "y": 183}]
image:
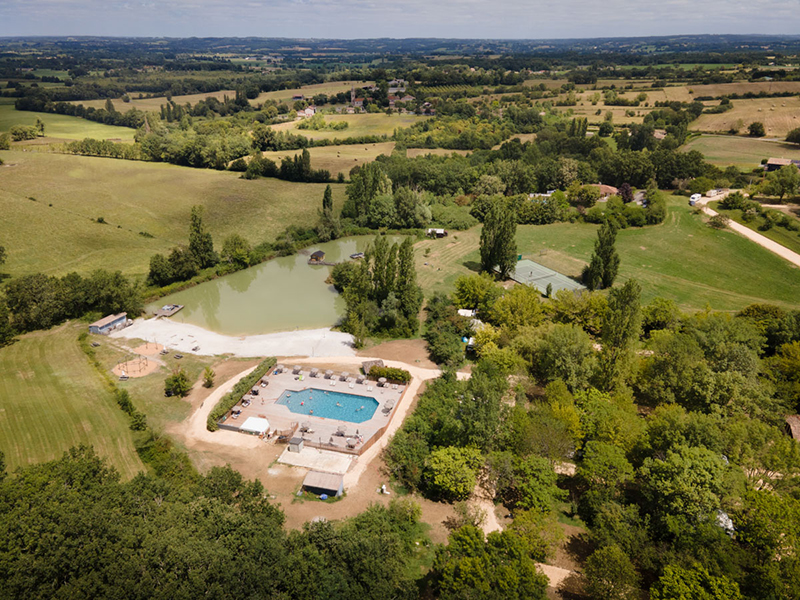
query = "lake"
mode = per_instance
[{"x": 279, "y": 295}]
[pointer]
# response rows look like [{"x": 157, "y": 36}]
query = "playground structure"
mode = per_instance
[{"x": 140, "y": 363}]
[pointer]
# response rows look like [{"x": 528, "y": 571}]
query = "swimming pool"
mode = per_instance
[{"x": 330, "y": 404}]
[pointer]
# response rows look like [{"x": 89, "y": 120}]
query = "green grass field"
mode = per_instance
[
  {"x": 742, "y": 152},
  {"x": 338, "y": 159},
  {"x": 51, "y": 398},
  {"x": 361, "y": 124},
  {"x": 132, "y": 197},
  {"x": 781, "y": 235},
  {"x": 62, "y": 126},
  {"x": 682, "y": 259}
]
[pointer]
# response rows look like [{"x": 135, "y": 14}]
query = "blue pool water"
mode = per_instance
[{"x": 330, "y": 405}]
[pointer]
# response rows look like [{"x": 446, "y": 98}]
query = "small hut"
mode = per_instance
[
  {"x": 317, "y": 257},
  {"x": 320, "y": 483},
  {"x": 295, "y": 444}
]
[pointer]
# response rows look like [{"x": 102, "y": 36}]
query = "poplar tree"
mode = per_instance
[
  {"x": 406, "y": 289},
  {"x": 498, "y": 238},
  {"x": 201, "y": 246},
  {"x": 604, "y": 265},
  {"x": 327, "y": 198}
]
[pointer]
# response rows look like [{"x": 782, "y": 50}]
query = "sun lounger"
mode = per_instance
[
  {"x": 369, "y": 388},
  {"x": 352, "y": 385},
  {"x": 394, "y": 386}
]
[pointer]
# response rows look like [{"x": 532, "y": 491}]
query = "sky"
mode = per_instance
[{"x": 521, "y": 19}]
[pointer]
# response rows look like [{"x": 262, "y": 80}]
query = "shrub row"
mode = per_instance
[
  {"x": 391, "y": 373},
  {"x": 229, "y": 400}
]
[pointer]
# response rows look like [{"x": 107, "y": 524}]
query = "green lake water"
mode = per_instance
[{"x": 280, "y": 295}]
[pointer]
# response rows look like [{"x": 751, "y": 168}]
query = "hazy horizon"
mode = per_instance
[{"x": 365, "y": 19}]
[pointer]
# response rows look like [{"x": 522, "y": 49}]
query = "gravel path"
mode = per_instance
[{"x": 183, "y": 337}]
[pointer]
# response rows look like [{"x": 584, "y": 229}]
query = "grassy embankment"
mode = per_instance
[
  {"x": 781, "y": 235},
  {"x": 682, "y": 259},
  {"x": 132, "y": 197},
  {"x": 53, "y": 399}
]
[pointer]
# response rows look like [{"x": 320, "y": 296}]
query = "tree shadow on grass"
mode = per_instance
[{"x": 472, "y": 265}]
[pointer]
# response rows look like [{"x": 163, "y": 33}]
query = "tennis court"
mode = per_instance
[{"x": 531, "y": 273}]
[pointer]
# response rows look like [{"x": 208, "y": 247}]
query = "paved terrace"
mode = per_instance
[{"x": 322, "y": 432}]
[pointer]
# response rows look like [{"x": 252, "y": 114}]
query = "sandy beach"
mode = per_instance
[{"x": 183, "y": 337}]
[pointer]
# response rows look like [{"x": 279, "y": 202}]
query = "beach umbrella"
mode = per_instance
[
  {"x": 328, "y": 374},
  {"x": 345, "y": 375},
  {"x": 382, "y": 381}
]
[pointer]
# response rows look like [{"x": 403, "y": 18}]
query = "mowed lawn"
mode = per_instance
[
  {"x": 682, "y": 259},
  {"x": 338, "y": 159},
  {"x": 743, "y": 152},
  {"x": 781, "y": 235},
  {"x": 358, "y": 125},
  {"x": 62, "y": 126},
  {"x": 51, "y": 399},
  {"x": 58, "y": 233}
]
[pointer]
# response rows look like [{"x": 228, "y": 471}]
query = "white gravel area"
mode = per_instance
[
  {"x": 317, "y": 460},
  {"x": 183, "y": 337}
]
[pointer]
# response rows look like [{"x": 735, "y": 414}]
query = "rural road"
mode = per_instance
[{"x": 763, "y": 241}]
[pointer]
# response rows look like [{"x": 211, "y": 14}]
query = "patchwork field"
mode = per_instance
[
  {"x": 338, "y": 159},
  {"x": 743, "y": 152},
  {"x": 361, "y": 124},
  {"x": 53, "y": 399},
  {"x": 62, "y": 126},
  {"x": 682, "y": 259},
  {"x": 57, "y": 232}
]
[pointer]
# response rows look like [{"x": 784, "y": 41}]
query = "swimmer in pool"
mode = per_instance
[{"x": 337, "y": 404}]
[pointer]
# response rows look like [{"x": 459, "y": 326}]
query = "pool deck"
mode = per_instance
[{"x": 322, "y": 432}]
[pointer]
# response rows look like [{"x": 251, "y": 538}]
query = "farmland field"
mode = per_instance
[
  {"x": 682, "y": 259},
  {"x": 57, "y": 232},
  {"x": 338, "y": 159},
  {"x": 779, "y": 116},
  {"x": 743, "y": 152},
  {"x": 52, "y": 399},
  {"x": 154, "y": 104},
  {"x": 414, "y": 152},
  {"x": 361, "y": 124},
  {"x": 331, "y": 87},
  {"x": 62, "y": 126}
]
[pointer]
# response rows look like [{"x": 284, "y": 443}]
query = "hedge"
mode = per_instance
[
  {"x": 390, "y": 373},
  {"x": 228, "y": 401}
]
